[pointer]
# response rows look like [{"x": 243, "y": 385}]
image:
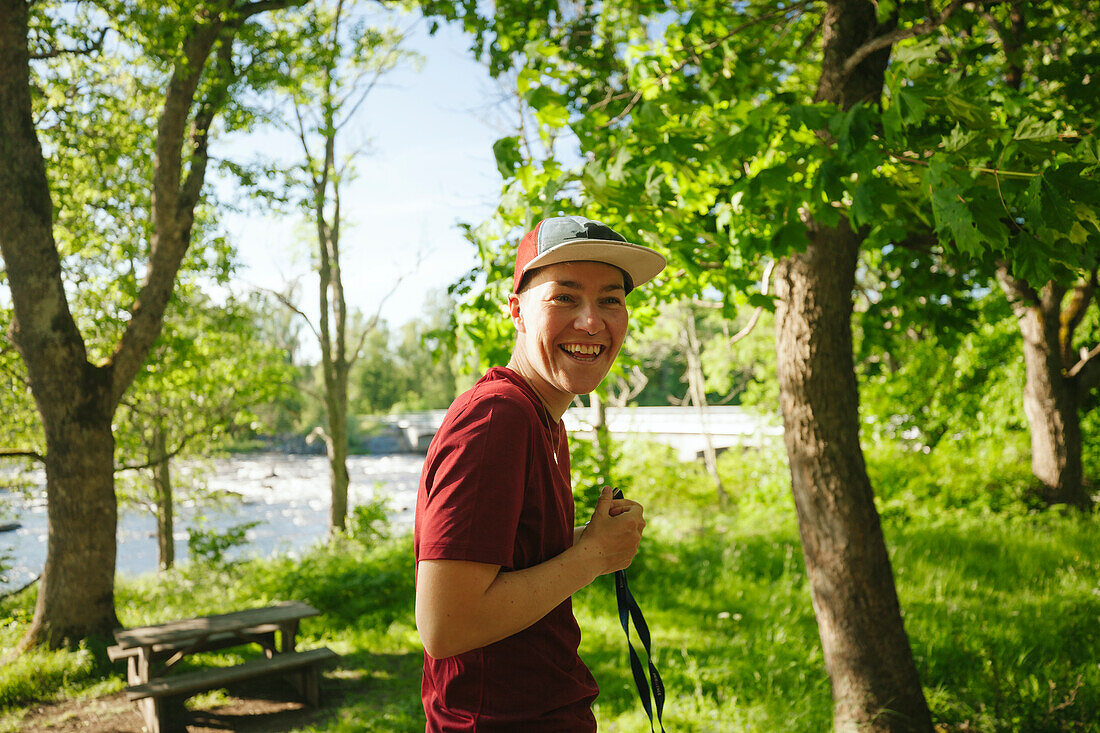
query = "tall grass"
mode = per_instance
[{"x": 1001, "y": 603}]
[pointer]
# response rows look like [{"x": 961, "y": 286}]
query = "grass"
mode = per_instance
[{"x": 1001, "y": 603}]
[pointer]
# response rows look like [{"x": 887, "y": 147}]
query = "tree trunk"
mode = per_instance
[
  {"x": 1050, "y": 395},
  {"x": 334, "y": 363},
  {"x": 162, "y": 488},
  {"x": 698, "y": 392},
  {"x": 874, "y": 679},
  {"x": 337, "y": 446},
  {"x": 867, "y": 655},
  {"x": 601, "y": 437},
  {"x": 76, "y": 597}
]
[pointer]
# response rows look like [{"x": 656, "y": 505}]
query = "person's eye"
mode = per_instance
[{"x": 613, "y": 300}]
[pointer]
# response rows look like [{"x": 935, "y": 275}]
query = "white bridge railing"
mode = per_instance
[{"x": 681, "y": 427}]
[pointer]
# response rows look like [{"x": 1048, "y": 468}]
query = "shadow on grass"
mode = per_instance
[{"x": 363, "y": 692}]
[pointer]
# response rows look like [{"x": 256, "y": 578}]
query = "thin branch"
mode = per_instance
[
  {"x": 765, "y": 281},
  {"x": 168, "y": 455},
  {"x": 392, "y": 54},
  {"x": 247, "y": 10},
  {"x": 90, "y": 47},
  {"x": 289, "y": 305},
  {"x": 23, "y": 454},
  {"x": 1075, "y": 311},
  {"x": 302, "y": 137},
  {"x": 884, "y": 41},
  {"x": 1086, "y": 358},
  {"x": 974, "y": 169},
  {"x": 373, "y": 322}
]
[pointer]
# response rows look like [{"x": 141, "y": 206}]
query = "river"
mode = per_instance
[{"x": 287, "y": 494}]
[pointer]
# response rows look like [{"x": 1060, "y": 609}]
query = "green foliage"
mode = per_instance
[
  {"x": 968, "y": 477},
  {"x": 407, "y": 370},
  {"x": 211, "y": 546},
  {"x": 40, "y": 674},
  {"x": 368, "y": 524},
  {"x": 929, "y": 385}
]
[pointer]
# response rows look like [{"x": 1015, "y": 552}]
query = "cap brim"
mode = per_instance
[{"x": 641, "y": 263}]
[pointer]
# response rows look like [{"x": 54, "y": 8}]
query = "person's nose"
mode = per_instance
[{"x": 588, "y": 319}]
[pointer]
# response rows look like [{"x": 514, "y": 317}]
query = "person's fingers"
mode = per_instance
[
  {"x": 604, "y": 503},
  {"x": 620, "y": 506}
]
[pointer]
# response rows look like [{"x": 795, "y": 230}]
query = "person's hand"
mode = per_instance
[{"x": 614, "y": 532}]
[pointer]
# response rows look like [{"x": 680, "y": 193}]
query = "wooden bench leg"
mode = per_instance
[
  {"x": 164, "y": 714},
  {"x": 307, "y": 683}
]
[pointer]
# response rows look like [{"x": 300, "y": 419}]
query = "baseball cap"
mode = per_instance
[{"x": 574, "y": 239}]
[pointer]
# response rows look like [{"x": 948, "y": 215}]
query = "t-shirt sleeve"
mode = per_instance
[{"x": 475, "y": 483}]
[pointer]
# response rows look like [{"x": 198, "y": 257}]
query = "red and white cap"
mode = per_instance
[{"x": 576, "y": 239}]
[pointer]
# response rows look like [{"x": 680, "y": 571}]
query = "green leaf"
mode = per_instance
[
  {"x": 855, "y": 130},
  {"x": 1067, "y": 180},
  {"x": 958, "y": 139},
  {"x": 952, "y": 214},
  {"x": 506, "y": 151},
  {"x": 1031, "y": 128},
  {"x": 615, "y": 170},
  {"x": 550, "y": 106},
  {"x": 1047, "y": 207},
  {"x": 791, "y": 237},
  {"x": 759, "y": 300}
]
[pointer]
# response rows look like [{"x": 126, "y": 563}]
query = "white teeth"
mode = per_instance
[{"x": 583, "y": 349}]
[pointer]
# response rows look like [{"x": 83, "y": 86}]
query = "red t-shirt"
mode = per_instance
[{"x": 495, "y": 489}]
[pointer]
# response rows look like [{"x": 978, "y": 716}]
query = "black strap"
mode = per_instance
[{"x": 630, "y": 611}]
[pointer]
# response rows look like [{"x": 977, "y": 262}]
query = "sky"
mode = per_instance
[{"x": 428, "y": 165}]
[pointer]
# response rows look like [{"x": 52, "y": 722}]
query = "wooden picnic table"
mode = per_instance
[{"x": 153, "y": 651}]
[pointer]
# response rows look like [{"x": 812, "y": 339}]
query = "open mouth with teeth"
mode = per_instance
[{"x": 583, "y": 352}]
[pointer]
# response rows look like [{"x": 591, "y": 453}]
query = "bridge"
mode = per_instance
[{"x": 683, "y": 428}]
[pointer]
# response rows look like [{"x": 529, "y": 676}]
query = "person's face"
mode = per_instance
[{"x": 570, "y": 321}]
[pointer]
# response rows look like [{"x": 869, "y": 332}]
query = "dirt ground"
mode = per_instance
[{"x": 255, "y": 706}]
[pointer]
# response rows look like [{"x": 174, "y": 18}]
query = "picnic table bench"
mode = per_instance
[{"x": 152, "y": 651}]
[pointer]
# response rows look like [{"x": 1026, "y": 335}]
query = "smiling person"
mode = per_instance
[{"x": 497, "y": 554}]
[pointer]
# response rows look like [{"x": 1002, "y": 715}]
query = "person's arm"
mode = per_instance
[{"x": 464, "y": 605}]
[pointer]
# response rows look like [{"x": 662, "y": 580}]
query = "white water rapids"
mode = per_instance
[{"x": 287, "y": 494}]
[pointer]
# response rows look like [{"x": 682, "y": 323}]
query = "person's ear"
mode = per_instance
[{"x": 516, "y": 312}]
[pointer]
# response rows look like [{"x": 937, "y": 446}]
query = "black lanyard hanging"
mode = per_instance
[{"x": 630, "y": 611}]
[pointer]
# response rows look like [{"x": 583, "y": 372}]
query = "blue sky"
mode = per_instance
[{"x": 429, "y": 164}]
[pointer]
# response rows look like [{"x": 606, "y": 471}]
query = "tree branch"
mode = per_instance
[
  {"x": 90, "y": 47},
  {"x": 167, "y": 455},
  {"x": 171, "y": 222},
  {"x": 1021, "y": 295},
  {"x": 248, "y": 9},
  {"x": 290, "y": 305},
  {"x": 23, "y": 454},
  {"x": 1073, "y": 314},
  {"x": 373, "y": 322},
  {"x": 765, "y": 281},
  {"x": 1086, "y": 372},
  {"x": 880, "y": 42}
]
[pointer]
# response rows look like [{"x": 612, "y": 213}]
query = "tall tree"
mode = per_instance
[
  {"x": 337, "y": 62},
  {"x": 76, "y": 395},
  {"x": 1059, "y": 375}
]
